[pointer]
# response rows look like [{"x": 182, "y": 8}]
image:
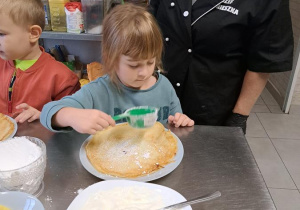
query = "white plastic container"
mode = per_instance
[{"x": 74, "y": 17}]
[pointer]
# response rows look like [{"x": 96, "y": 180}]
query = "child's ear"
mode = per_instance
[{"x": 35, "y": 33}]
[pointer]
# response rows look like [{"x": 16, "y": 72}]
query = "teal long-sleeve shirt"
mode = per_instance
[{"x": 103, "y": 95}]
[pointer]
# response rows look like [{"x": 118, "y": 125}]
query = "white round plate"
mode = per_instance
[
  {"x": 168, "y": 195},
  {"x": 15, "y": 127},
  {"x": 149, "y": 177},
  {"x": 20, "y": 200}
]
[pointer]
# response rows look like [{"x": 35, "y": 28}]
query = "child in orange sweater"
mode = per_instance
[{"x": 29, "y": 77}]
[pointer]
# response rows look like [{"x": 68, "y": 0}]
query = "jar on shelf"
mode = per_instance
[
  {"x": 93, "y": 11},
  {"x": 58, "y": 15}
]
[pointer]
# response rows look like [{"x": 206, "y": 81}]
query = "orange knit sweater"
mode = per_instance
[{"x": 46, "y": 80}]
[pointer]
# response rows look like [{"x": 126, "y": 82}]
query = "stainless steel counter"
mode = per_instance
[{"x": 215, "y": 158}]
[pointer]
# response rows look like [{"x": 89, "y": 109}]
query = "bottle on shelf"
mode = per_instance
[
  {"x": 74, "y": 17},
  {"x": 58, "y": 15},
  {"x": 47, "y": 15}
]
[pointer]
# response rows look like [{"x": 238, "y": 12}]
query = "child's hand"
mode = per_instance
[
  {"x": 27, "y": 113},
  {"x": 83, "y": 120},
  {"x": 180, "y": 120}
]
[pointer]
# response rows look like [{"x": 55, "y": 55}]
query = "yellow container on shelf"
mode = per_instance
[{"x": 58, "y": 15}]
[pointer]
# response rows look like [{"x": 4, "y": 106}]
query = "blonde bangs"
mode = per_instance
[
  {"x": 24, "y": 12},
  {"x": 132, "y": 31},
  {"x": 142, "y": 42}
]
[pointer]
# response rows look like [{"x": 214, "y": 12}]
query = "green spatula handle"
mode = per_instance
[{"x": 120, "y": 116}]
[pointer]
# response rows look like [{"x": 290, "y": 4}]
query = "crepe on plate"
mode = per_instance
[
  {"x": 124, "y": 151},
  {"x": 6, "y": 127}
]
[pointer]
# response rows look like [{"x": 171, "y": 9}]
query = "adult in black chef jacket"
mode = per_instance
[{"x": 218, "y": 54}]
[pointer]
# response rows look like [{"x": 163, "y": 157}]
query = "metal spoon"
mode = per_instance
[{"x": 193, "y": 201}]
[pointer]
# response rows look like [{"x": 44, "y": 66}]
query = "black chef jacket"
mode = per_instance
[{"x": 206, "y": 62}]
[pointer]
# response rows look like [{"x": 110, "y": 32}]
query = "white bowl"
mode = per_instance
[
  {"x": 29, "y": 178},
  {"x": 20, "y": 200}
]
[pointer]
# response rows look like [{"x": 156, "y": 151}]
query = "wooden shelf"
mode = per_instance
[{"x": 70, "y": 36}]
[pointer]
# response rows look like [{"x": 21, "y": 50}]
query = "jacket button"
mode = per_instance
[
  {"x": 189, "y": 50},
  {"x": 172, "y": 4},
  {"x": 167, "y": 39},
  {"x": 178, "y": 84},
  {"x": 186, "y": 13}
]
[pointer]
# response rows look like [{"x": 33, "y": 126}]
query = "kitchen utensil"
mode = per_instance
[
  {"x": 29, "y": 178},
  {"x": 193, "y": 201},
  {"x": 139, "y": 117}
]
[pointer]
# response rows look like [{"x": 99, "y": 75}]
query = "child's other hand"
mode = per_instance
[
  {"x": 180, "y": 120},
  {"x": 87, "y": 120},
  {"x": 27, "y": 113}
]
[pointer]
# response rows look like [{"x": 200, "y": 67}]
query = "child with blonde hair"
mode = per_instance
[
  {"x": 29, "y": 77},
  {"x": 131, "y": 49}
]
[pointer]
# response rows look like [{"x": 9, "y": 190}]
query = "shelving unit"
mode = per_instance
[
  {"x": 87, "y": 47},
  {"x": 70, "y": 36}
]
